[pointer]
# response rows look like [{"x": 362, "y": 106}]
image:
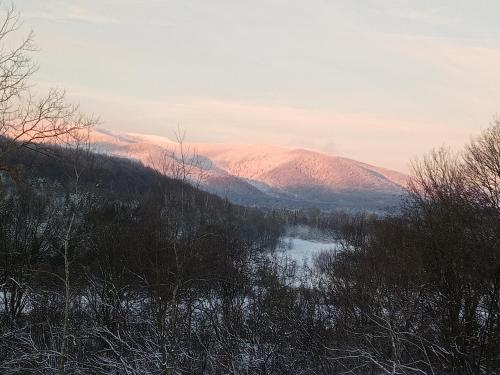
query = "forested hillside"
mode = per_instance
[
  {"x": 265, "y": 176},
  {"x": 98, "y": 250},
  {"x": 110, "y": 268}
]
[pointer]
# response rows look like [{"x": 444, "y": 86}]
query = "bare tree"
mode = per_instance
[
  {"x": 28, "y": 121},
  {"x": 79, "y": 155},
  {"x": 482, "y": 162},
  {"x": 482, "y": 166},
  {"x": 180, "y": 161}
]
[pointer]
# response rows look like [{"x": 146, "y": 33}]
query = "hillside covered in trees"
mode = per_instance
[{"x": 109, "y": 267}]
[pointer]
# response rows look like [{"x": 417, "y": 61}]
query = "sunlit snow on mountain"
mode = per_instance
[{"x": 264, "y": 175}]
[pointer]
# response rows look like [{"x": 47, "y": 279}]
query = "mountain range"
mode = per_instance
[{"x": 262, "y": 175}]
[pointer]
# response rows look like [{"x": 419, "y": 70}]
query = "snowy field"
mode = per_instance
[{"x": 302, "y": 244}]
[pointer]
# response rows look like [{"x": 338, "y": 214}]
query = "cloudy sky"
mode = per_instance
[{"x": 375, "y": 80}]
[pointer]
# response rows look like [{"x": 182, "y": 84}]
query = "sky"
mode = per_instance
[{"x": 376, "y": 80}]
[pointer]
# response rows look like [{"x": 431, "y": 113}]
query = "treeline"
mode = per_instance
[
  {"x": 102, "y": 273},
  {"x": 418, "y": 292},
  {"x": 108, "y": 267}
]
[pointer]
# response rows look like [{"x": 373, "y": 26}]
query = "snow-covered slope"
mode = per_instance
[{"x": 264, "y": 175}]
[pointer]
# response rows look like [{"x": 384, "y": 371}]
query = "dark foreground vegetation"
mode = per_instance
[{"x": 108, "y": 267}]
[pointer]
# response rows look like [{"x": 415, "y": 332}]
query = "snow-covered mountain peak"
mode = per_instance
[{"x": 266, "y": 174}]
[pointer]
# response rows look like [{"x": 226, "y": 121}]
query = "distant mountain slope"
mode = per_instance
[{"x": 263, "y": 175}]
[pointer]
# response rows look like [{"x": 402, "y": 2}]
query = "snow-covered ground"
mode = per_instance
[
  {"x": 302, "y": 250},
  {"x": 301, "y": 243}
]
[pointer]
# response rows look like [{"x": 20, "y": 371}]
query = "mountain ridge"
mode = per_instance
[{"x": 264, "y": 175}]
